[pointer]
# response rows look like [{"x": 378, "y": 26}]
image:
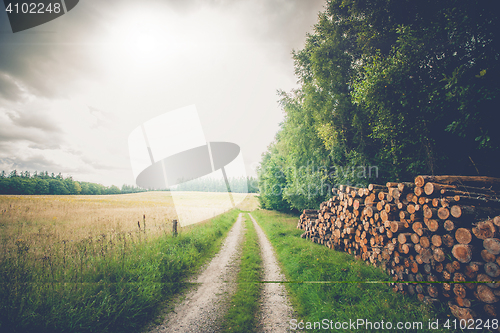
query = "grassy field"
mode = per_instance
[
  {"x": 84, "y": 264},
  {"x": 325, "y": 284},
  {"x": 190, "y": 211}
]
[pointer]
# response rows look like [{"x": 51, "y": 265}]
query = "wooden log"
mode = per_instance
[
  {"x": 398, "y": 226},
  {"x": 430, "y": 212},
  {"x": 439, "y": 254},
  {"x": 487, "y": 280},
  {"x": 448, "y": 225},
  {"x": 433, "y": 291},
  {"x": 459, "y": 277},
  {"x": 492, "y": 245},
  {"x": 418, "y": 191},
  {"x": 407, "y": 247},
  {"x": 490, "y": 310},
  {"x": 415, "y": 238},
  {"x": 463, "y": 302},
  {"x": 466, "y": 198},
  {"x": 443, "y": 213},
  {"x": 462, "y": 252},
  {"x": 459, "y": 290},
  {"x": 435, "y": 202},
  {"x": 448, "y": 240},
  {"x": 369, "y": 199},
  {"x": 425, "y": 242},
  {"x": 426, "y": 255},
  {"x": 432, "y": 225},
  {"x": 405, "y": 186},
  {"x": 492, "y": 269},
  {"x": 487, "y": 256},
  {"x": 485, "y": 294},
  {"x": 404, "y": 215},
  {"x": 477, "y": 181},
  {"x": 416, "y": 226},
  {"x": 484, "y": 196},
  {"x": 436, "y": 240},
  {"x": 375, "y": 187},
  {"x": 463, "y": 235},
  {"x": 423, "y": 201},
  {"x": 473, "y": 268},
  {"x": 459, "y": 211},
  {"x": 395, "y": 194},
  {"x": 484, "y": 229},
  {"x": 410, "y": 209},
  {"x": 462, "y": 313},
  {"x": 435, "y": 188}
]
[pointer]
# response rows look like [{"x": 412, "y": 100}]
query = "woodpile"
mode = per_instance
[{"x": 442, "y": 229}]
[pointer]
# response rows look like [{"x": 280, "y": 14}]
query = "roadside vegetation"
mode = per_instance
[
  {"x": 387, "y": 90},
  {"x": 106, "y": 279},
  {"x": 244, "y": 305},
  {"x": 326, "y": 284}
]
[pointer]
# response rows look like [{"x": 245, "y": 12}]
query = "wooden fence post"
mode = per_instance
[{"x": 174, "y": 228}]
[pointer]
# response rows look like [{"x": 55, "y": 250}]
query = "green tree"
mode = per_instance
[
  {"x": 56, "y": 187},
  {"x": 408, "y": 87},
  {"x": 42, "y": 186}
]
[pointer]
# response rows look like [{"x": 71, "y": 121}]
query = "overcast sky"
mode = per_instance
[{"x": 73, "y": 89}]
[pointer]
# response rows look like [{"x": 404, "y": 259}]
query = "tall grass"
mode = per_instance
[
  {"x": 327, "y": 284},
  {"x": 113, "y": 281}
]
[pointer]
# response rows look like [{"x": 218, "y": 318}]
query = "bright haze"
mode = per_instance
[{"x": 73, "y": 89}]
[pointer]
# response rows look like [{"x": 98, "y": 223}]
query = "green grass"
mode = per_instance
[
  {"x": 342, "y": 298},
  {"x": 241, "y": 315},
  {"x": 112, "y": 283}
]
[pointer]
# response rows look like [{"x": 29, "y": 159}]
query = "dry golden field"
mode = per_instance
[
  {"x": 74, "y": 217},
  {"x": 68, "y": 262}
]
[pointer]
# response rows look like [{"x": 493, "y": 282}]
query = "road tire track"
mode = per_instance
[{"x": 276, "y": 311}]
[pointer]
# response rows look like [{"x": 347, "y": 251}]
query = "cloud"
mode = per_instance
[
  {"x": 33, "y": 120},
  {"x": 43, "y": 61},
  {"x": 47, "y": 60},
  {"x": 12, "y": 134},
  {"x": 36, "y": 162},
  {"x": 9, "y": 89}
]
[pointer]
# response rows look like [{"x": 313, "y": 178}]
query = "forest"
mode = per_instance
[
  {"x": 24, "y": 182},
  {"x": 21, "y": 183},
  {"x": 387, "y": 90}
]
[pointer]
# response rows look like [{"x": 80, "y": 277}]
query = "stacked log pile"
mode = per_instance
[{"x": 437, "y": 229}]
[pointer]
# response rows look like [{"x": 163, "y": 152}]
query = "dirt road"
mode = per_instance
[
  {"x": 276, "y": 311},
  {"x": 204, "y": 307}
]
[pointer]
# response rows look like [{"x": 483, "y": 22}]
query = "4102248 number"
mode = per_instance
[
  {"x": 471, "y": 324},
  {"x": 33, "y": 8}
]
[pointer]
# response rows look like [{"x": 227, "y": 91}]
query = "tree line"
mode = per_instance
[
  {"x": 21, "y": 183},
  {"x": 43, "y": 183},
  {"x": 237, "y": 185},
  {"x": 398, "y": 87}
]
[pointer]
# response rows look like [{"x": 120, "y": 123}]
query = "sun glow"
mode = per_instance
[{"x": 140, "y": 39}]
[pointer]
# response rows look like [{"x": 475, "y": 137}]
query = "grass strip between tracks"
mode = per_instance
[
  {"x": 241, "y": 315},
  {"x": 115, "y": 283},
  {"x": 308, "y": 266}
]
